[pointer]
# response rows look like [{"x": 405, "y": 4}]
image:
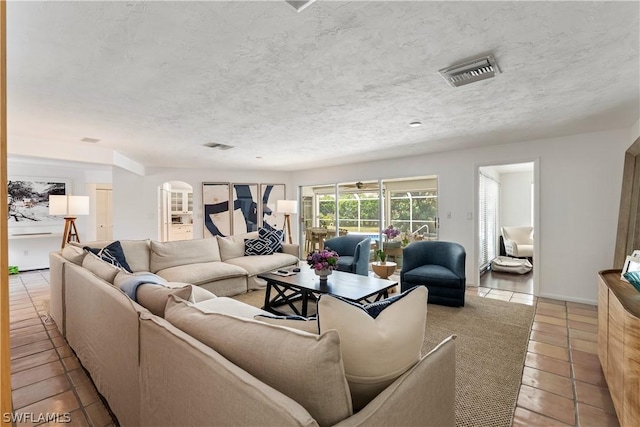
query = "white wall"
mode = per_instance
[
  {"x": 32, "y": 252},
  {"x": 515, "y": 199},
  {"x": 574, "y": 192},
  {"x": 135, "y": 198}
]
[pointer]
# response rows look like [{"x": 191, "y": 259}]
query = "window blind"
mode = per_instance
[{"x": 488, "y": 220}]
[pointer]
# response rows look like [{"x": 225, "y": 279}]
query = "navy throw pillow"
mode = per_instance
[
  {"x": 274, "y": 237},
  {"x": 113, "y": 254}
]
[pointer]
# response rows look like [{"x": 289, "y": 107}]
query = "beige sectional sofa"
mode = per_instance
[{"x": 153, "y": 373}]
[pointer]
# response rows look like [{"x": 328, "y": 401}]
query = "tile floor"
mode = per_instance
[
  {"x": 562, "y": 382},
  {"x": 46, "y": 377}
]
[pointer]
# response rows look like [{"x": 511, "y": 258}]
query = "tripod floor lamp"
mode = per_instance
[
  {"x": 287, "y": 207},
  {"x": 70, "y": 207}
]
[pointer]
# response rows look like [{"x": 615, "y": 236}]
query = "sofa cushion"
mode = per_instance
[
  {"x": 379, "y": 341},
  {"x": 300, "y": 323},
  {"x": 261, "y": 264},
  {"x": 274, "y": 237},
  {"x": 74, "y": 254},
  {"x": 308, "y": 368},
  {"x": 154, "y": 297},
  {"x": 201, "y": 273},
  {"x": 442, "y": 274},
  {"x": 137, "y": 253},
  {"x": 104, "y": 270},
  {"x": 165, "y": 255},
  {"x": 257, "y": 247},
  {"x": 233, "y": 246},
  {"x": 230, "y": 306}
]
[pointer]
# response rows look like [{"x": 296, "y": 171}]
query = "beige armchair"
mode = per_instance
[{"x": 518, "y": 241}]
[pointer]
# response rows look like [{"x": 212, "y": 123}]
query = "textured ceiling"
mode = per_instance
[{"x": 336, "y": 83}]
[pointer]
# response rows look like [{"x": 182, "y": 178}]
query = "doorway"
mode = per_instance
[
  {"x": 506, "y": 201},
  {"x": 176, "y": 211}
]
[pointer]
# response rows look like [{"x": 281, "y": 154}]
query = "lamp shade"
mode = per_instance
[
  {"x": 69, "y": 205},
  {"x": 287, "y": 206}
]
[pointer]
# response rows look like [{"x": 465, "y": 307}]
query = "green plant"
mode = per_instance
[{"x": 381, "y": 255}]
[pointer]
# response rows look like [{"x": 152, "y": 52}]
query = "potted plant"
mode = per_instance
[{"x": 381, "y": 256}]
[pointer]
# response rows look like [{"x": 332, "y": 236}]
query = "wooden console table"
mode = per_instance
[{"x": 619, "y": 344}]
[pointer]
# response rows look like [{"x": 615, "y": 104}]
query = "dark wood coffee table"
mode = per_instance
[{"x": 305, "y": 285}]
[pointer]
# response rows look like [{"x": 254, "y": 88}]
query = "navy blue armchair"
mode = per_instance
[
  {"x": 354, "y": 253},
  {"x": 437, "y": 265}
]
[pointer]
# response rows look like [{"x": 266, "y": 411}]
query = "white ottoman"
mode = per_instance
[{"x": 511, "y": 265}]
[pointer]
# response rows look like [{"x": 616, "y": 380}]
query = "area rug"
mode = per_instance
[{"x": 490, "y": 352}]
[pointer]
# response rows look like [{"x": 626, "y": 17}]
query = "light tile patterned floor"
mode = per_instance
[
  {"x": 46, "y": 377},
  {"x": 562, "y": 382}
]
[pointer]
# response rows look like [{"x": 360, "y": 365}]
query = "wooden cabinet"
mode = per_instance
[
  {"x": 619, "y": 344},
  {"x": 181, "y": 232},
  {"x": 181, "y": 202}
]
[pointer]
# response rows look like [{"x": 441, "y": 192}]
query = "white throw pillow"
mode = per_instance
[{"x": 377, "y": 350}]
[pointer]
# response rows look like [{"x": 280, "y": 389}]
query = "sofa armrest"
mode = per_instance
[
  {"x": 423, "y": 396},
  {"x": 291, "y": 249}
]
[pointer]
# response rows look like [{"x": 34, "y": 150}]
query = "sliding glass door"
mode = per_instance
[{"x": 368, "y": 207}]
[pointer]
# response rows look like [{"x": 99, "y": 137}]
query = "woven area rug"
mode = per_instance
[{"x": 490, "y": 352}]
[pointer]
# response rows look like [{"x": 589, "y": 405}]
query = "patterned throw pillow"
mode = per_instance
[
  {"x": 257, "y": 247},
  {"x": 274, "y": 237},
  {"x": 112, "y": 254}
]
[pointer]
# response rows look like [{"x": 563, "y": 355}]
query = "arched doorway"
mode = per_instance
[{"x": 176, "y": 211}]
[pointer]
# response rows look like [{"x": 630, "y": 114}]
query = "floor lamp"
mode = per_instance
[
  {"x": 69, "y": 206},
  {"x": 287, "y": 207}
]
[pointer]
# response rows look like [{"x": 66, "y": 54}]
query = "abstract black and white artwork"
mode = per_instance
[
  {"x": 269, "y": 195},
  {"x": 245, "y": 208},
  {"x": 217, "y": 217},
  {"x": 28, "y": 200}
]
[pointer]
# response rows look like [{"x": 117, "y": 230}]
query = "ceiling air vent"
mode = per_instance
[
  {"x": 300, "y": 5},
  {"x": 470, "y": 71},
  {"x": 218, "y": 146},
  {"x": 92, "y": 140}
]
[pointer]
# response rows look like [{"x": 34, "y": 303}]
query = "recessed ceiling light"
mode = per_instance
[{"x": 415, "y": 124}]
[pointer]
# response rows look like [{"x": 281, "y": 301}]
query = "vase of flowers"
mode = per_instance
[
  {"x": 391, "y": 233},
  {"x": 323, "y": 262}
]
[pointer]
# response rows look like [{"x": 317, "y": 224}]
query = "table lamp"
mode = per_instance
[
  {"x": 287, "y": 207},
  {"x": 69, "y": 206}
]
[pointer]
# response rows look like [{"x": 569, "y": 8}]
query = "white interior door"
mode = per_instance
[{"x": 104, "y": 214}]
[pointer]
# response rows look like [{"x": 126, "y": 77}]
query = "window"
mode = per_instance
[{"x": 415, "y": 211}]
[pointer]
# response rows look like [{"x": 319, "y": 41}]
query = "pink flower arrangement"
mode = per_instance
[
  {"x": 391, "y": 232},
  {"x": 325, "y": 259}
]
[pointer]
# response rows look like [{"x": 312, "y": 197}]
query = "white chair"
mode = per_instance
[{"x": 518, "y": 241}]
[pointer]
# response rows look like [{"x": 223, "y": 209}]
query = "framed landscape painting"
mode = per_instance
[
  {"x": 217, "y": 216},
  {"x": 269, "y": 195},
  {"x": 28, "y": 203}
]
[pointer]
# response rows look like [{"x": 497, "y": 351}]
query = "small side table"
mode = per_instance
[{"x": 384, "y": 269}]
